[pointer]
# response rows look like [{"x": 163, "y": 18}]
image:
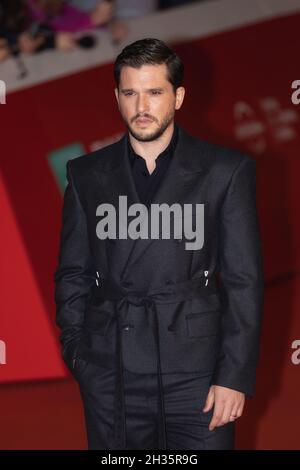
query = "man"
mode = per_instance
[{"x": 161, "y": 333}]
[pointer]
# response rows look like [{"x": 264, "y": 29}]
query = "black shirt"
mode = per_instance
[{"x": 146, "y": 183}]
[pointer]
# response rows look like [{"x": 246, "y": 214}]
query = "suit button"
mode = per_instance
[
  {"x": 171, "y": 327},
  {"x": 168, "y": 281}
]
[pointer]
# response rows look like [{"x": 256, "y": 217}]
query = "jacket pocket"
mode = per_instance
[{"x": 203, "y": 324}]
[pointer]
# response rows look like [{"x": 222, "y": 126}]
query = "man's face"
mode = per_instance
[{"x": 147, "y": 101}]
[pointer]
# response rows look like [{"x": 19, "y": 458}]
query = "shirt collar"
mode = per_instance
[{"x": 169, "y": 150}]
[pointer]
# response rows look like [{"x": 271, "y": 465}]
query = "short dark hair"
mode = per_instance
[{"x": 150, "y": 51}]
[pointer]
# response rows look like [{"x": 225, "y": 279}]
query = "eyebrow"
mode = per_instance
[{"x": 124, "y": 90}]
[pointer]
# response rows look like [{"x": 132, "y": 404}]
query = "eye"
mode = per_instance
[
  {"x": 156, "y": 92},
  {"x": 128, "y": 93}
]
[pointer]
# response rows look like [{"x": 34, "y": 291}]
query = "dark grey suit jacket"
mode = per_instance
[{"x": 217, "y": 333}]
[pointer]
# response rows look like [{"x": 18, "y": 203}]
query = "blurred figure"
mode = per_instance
[
  {"x": 4, "y": 51},
  {"x": 117, "y": 28},
  {"x": 123, "y": 10},
  {"x": 30, "y": 26},
  {"x": 14, "y": 22},
  {"x": 62, "y": 16},
  {"x": 127, "y": 9}
]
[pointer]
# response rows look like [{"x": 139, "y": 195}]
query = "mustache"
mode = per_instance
[{"x": 143, "y": 116}]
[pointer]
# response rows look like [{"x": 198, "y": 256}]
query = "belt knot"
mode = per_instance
[
  {"x": 137, "y": 299},
  {"x": 147, "y": 301}
]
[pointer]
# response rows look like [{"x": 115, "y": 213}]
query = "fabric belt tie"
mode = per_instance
[{"x": 182, "y": 291}]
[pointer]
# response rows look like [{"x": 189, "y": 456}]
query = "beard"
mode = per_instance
[{"x": 153, "y": 135}]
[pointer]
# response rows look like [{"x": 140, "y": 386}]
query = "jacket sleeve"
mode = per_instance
[
  {"x": 242, "y": 284},
  {"x": 75, "y": 274}
]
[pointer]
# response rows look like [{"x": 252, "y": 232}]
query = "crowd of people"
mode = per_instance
[{"x": 31, "y": 26}]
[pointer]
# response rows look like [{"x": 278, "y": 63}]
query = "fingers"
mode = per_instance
[
  {"x": 240, "y": 409},
  {"x": 102, "y": 14},
  {"x": 234, "y": 414},
  {"x": 218, "y": 414},
  {"x": 209, "y": 400},
  {"x": 28, "y": 44},
  {"x": 228, "y": 413},
  {"x": 65, "y": 41},
  {"x": 228, "y": 407}
]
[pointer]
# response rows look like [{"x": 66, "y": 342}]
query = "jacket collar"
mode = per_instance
[{"x": 169, "y": 150}]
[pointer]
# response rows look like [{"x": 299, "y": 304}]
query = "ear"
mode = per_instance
[
  {"x": 117, "y": 95},
  {"x": 180, "y": 92}
]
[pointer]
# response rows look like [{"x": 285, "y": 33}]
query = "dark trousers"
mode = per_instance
[{"x": 184, "y": 398}]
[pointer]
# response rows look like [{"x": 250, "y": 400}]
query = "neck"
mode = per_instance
[{"x": 150, "y": 150}]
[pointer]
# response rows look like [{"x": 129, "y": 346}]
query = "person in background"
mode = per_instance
[
  {"x": 66, "y": 19},
  {"x": 62, "y": 16},
  {"x": 14, "y": 20},
  {"x": 123, "y": 10},
  {"x": 126, "y": 10},
  {"x": 27, "y": 31}
]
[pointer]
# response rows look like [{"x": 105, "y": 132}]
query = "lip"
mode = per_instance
[{"x": 143, "y": 121}]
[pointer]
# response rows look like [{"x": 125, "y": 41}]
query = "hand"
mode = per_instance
[
  {"x": 102, "y": 13},
  {"x": 228, "y": 403},
  {"x": 4, "y": 50},
  {"x": 28, "y": 44},
  {"x": 118, "y": 30},
  {"x": 65, "y": 41}
]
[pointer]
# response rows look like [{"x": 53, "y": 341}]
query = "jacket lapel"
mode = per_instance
[
  {"x": 177, "y": 186},
  {"x": 114, "y": 178}
]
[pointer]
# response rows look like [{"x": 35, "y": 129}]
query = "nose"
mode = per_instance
[{"x": 142, "y": 104}]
